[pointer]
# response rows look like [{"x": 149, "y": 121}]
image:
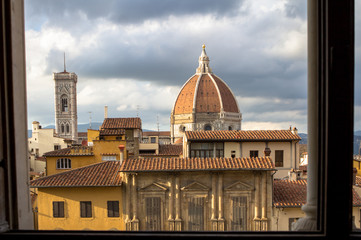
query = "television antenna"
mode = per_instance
[{"x": 90, "y": 120}]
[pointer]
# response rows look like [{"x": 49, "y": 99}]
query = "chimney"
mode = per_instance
[
  {"x": 295, "y": 130},
  {"x": 294, "y": 175},
  {"x": 121, "y": 156},
  {"x": 267, "y": 152},
  {"x": 105, "y": 111}
]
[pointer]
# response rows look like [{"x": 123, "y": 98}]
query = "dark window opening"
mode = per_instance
[
  {"x": 86, "y": 209},
  {"x": 279, "y": 158},
  {"x": 113, "y": 208},
  {"x": 253, "y": 153},
  {"x": 58, "y": 209}
]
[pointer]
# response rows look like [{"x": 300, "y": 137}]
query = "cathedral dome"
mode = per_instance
[{"x": 204, "y": 92}]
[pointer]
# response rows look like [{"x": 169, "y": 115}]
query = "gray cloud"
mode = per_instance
[
  {"x": 242, "y": 51},
  {"x": 297, "y": 8},
  {"x": 66, "y": 13}
]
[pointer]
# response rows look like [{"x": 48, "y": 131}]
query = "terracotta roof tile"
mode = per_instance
[
  {"x": 170, "y": 149},
  {"x": 196, "y": 164},
  {"x": 229, "y": 102},
  {"x": 288, "y": 193},
  {"x": 358, "y": 181},
  {"x": 99, "y": 174},
  {"x": 77, "y": 151},
  {"x": 207, "y": 93},
  {"x": 356, "y": 199},
  {"x": 112, "y": 132},
  {"x": 156, "y": 133},
  {"x": 246, "y": 135},
  {"x": 125, "y": 123}
]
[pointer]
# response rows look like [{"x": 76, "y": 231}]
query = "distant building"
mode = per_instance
[
  {"x": 132, "y": 128},
  {"x": 66, "y": 118},
  {"x": 205, "y": 102},
  {"x": 42, "y": 140},
  {"x": 117, "y": 139},
  {"x": 161, "y": 137},
  {"x": 282, "y": 146}
]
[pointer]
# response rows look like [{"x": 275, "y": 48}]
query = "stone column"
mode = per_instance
[
  {"x": 257, "y": 218},
  {"x": 135, "y": 220},
  {"x": 309, "y": 223},
  {"x": 213, "y": 203},
  {"x": 220, "y": 203},
  {"x": 171, "y": 204},
  {"x": 178, "y": 220},
  {"x": 264, "y": 220},
  {"x": 127, "y": 202}
]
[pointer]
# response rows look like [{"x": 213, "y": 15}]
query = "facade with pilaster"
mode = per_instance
[{"x": 194, "y": 194}]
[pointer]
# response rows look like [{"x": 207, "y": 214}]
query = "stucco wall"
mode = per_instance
[
  {"x": 72, "y": 197},
  {"x": 281, "y": 216}
]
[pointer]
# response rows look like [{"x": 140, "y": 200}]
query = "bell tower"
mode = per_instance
[{"x": 66, "y": 117}]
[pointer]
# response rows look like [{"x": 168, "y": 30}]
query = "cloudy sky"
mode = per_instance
[{"x": 134, "y": 56}]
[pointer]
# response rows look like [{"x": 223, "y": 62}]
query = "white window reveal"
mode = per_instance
[
  {"x": 109, "y": 158},
  {"x": 63, "y": 163}
]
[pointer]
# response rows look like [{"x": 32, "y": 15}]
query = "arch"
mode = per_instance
[
  {"x": 207, "y": 127},
  {"x": 182, "y": 128},
  {"x": 64, "y": 103}
]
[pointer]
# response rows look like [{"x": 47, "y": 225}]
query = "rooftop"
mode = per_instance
[
  {"x": 126, "y": 123},
  {"x": 243, "y": 135},
  {"x": 288, "y": 193},
  {"x": 99, "y": 174},
  {"x": 196, "y": 164},
  {"x": 71, "y": 151}
]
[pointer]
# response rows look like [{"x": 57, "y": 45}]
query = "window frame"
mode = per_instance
[
  {"x": 59, "y": 205},
  {"x": 335, "y": 61},
  {"x": 279, "y": 163},
  {"x": 253, "y": 153},
  {"x": 63, "y": 163},
  {"x": 87, "y": 207},
  {"x": 112, "y": 210}
]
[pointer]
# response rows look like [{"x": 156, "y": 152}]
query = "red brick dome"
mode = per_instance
[{"x": 205, "y": 92}]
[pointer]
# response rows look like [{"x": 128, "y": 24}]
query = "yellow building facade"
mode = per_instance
[
  {"x": 357, "y": 164},
  {"x": 70, "y": 201},
  {"x": 103, "y": 147}
]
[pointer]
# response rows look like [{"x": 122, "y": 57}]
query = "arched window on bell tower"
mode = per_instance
[
  {"x": 64, "y": 103},
  {"x": 67, "y": 128},
  {"x": 62, "y": 128}
]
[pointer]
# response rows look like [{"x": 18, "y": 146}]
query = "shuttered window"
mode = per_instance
[
  {"x": 153, "y": 213},
  {"x": 113, "y": 208},
  {"x": 279, "y": 158},
  {"x": 239, "y": 213},
  {"x": 86, "y": 209},
  {"x": 196, "y": 214},
  {"x": 58, "y": 209}
]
